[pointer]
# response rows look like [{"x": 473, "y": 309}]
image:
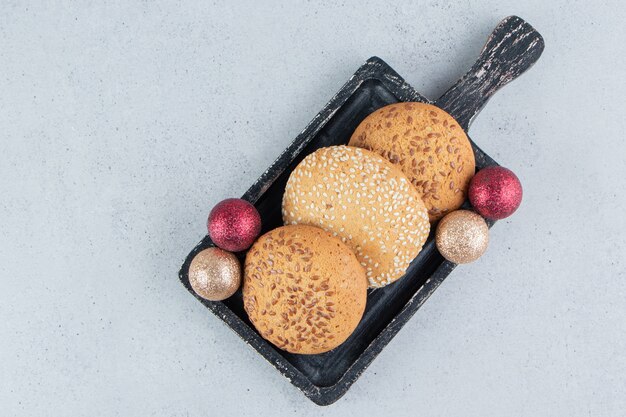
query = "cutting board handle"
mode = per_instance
[{"x": 513, "y": 47}]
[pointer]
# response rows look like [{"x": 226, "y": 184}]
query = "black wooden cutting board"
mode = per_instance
[{"x": 510, "y": 50}]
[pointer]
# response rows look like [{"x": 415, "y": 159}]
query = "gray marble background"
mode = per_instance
[{"x": 121, "y": 124}]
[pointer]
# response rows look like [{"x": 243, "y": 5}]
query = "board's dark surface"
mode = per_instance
[{"x": 324, "y": 378}]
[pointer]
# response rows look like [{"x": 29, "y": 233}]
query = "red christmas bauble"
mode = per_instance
[
  {"x": 495, "y": 192},
  {"x": 234, "y": 224}
]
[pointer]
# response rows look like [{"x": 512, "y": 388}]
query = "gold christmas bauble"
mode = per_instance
[
  {"x": 215, "y": 274},
  {"x": 462, "y": 236}
]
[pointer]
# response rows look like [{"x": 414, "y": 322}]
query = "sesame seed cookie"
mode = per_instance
[
  {"x": 303, "y": 289},
  {"x": 366, "y": 201},
  {"x": 428, "y": 145}
]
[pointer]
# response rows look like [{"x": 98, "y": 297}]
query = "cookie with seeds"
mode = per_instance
[
  {"x": 303, "y": 289},
  {"x": 428, "y": 145},
  {"x": 364, "y": 200}
]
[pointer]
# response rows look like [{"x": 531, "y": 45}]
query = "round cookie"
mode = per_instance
[
  {"x": 428, "y": 145},
  {"x": 303, "y": 289},
  {"x": 366, "y": 201}
]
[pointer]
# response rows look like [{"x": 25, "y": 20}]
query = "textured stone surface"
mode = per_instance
[{"x": 122, "y": 125}]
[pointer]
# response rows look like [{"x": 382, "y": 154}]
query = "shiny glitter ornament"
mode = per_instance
[
  {"x": 495, "y": 192},
  {"x": 462, "y": 236},
  {"x": 215, "y": 274},
  {"x": 234, "y": 224}
]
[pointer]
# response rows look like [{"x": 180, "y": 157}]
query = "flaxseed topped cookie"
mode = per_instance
[
  {"x": 303, "y": 289},
  {"x": 428, "y": 145}
]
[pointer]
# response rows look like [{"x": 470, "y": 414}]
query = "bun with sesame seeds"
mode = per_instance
[
  {"x": 303, "y": 289},
  {"x": 364, "y": 200},
  {"x": 428, "y": 145}
]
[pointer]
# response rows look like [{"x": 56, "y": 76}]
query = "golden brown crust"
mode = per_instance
[
  {"x": 366, "y": 201},
  {"x": 428, "y": 145},
  {"x": 303, "y": 289}
]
